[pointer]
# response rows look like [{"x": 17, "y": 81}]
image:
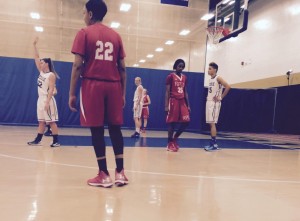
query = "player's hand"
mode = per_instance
[
  {"x": 217, "y": 99},
  {"x": 72, "y": 103},
  {"x": 47, "y": 105},
  {"x": 124, "y": 101}
]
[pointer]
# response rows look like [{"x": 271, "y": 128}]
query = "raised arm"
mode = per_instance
[{"x": 36, "y": 54}]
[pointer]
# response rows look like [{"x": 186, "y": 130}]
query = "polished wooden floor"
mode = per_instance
[{"x": 49, "y": 184}]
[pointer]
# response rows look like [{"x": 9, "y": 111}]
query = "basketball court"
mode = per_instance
[{"x": 237, "y": 183}]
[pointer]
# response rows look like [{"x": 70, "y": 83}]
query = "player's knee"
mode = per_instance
[{"x": 114, "y": 130}]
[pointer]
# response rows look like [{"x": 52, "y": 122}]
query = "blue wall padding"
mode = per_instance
[
  {"x": 248, "y": 110},
  {"x": 18, "y": 94},
  {"x": 287, "y": 117},
  {"x": 242, "y": 110}
]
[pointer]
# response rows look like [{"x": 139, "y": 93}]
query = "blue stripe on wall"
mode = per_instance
[{"x": 18, "y": 93}]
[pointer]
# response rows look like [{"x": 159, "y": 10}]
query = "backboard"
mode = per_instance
[{"x": 232, "y": 15}]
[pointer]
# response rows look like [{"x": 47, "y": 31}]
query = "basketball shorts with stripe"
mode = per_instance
[
  {"x": 178, "y": 111},
  {"x": 101, "y": 103},
  {"x": 50, "y": 115},
  {"x": 212, "y": 111}
]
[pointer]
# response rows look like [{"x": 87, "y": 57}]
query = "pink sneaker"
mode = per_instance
[
  {"x": 171, "y": 147},
  {"x": 102, "y": 180},
  {"x": 120, "y": 178}
]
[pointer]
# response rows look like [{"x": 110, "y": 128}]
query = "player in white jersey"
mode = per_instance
[
  {"x": 137, "y": 106},
  {"x": 216, "y": 93},
  {"x": 46, "y": 104}
]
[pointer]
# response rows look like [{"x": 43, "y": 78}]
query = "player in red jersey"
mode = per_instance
[
  {"x": 145, "y": 110},
  {"x": 99, "y": 61},
  {"x": 176, "y": 104}
]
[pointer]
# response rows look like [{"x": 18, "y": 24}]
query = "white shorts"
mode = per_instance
[
  {"x": 212, "y": 111},
  {"x": 51, "y": 115},
  {"x": 138, "y": 112}
]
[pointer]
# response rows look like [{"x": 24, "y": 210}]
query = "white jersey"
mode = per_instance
[
  {"x": 51, "y": 114},
  {"x": 43, "y": 83},
  {"x": 136, "y": 94},
  {"x": 215, "y": 89}
]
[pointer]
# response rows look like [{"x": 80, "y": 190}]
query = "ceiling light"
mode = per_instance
[
  {"x": 150, "y": 56},
  {"x": 39, "y": 28},
  {"x": 295, "y": 10},
  {"x": 159, "y": 49},
  {"x": 184, "y": 32},
  {"x": 206, "y": 17},
  {"x": 35, "y": 15},
  {"x": 169, "y": 42},
  {"x": 142, "y": 61},
  {"x": 125, "y": 7},
  {"x": 115, "y": 25}
]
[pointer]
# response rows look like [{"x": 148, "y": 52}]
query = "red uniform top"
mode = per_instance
[
  {"x": 177, "y": 85},
  {"x": 145, "y": 100},
  {"x": 101, "y": 48}
]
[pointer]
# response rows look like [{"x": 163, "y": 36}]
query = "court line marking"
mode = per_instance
[{"x": 157, "y": 173}]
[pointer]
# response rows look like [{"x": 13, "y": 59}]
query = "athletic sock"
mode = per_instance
[
  {"x": 48, "y": 128},
  {"x": 119, "y": 163},
  {"x": 213, "y": 140},
  {"x": 39, "y": 137},
  {"x": 102, "y": 165},
  {"x": 55, "y": 138}
]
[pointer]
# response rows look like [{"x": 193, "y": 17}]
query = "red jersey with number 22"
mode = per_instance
[
  {"x": 101, "y": 48},
  {"x": 177, "y": 85}
]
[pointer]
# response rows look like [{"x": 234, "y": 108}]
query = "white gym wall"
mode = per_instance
[{"x": 268, "y": 48}]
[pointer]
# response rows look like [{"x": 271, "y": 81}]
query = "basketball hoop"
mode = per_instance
[{"x": 214, "y": 34}]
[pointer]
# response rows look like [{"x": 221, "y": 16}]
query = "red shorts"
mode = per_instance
[
  {"x": 178, "y": 111},
  {"x": 145, "y": 112},
  {"x": 100, "y": 102}
]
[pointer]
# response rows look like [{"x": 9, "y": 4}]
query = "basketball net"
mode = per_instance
[{"x": 214, "y": 34}]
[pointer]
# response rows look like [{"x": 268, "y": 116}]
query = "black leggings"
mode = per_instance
[
  {"x": 99, "y": 142},
  {"x": 181, "y": 129}
]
